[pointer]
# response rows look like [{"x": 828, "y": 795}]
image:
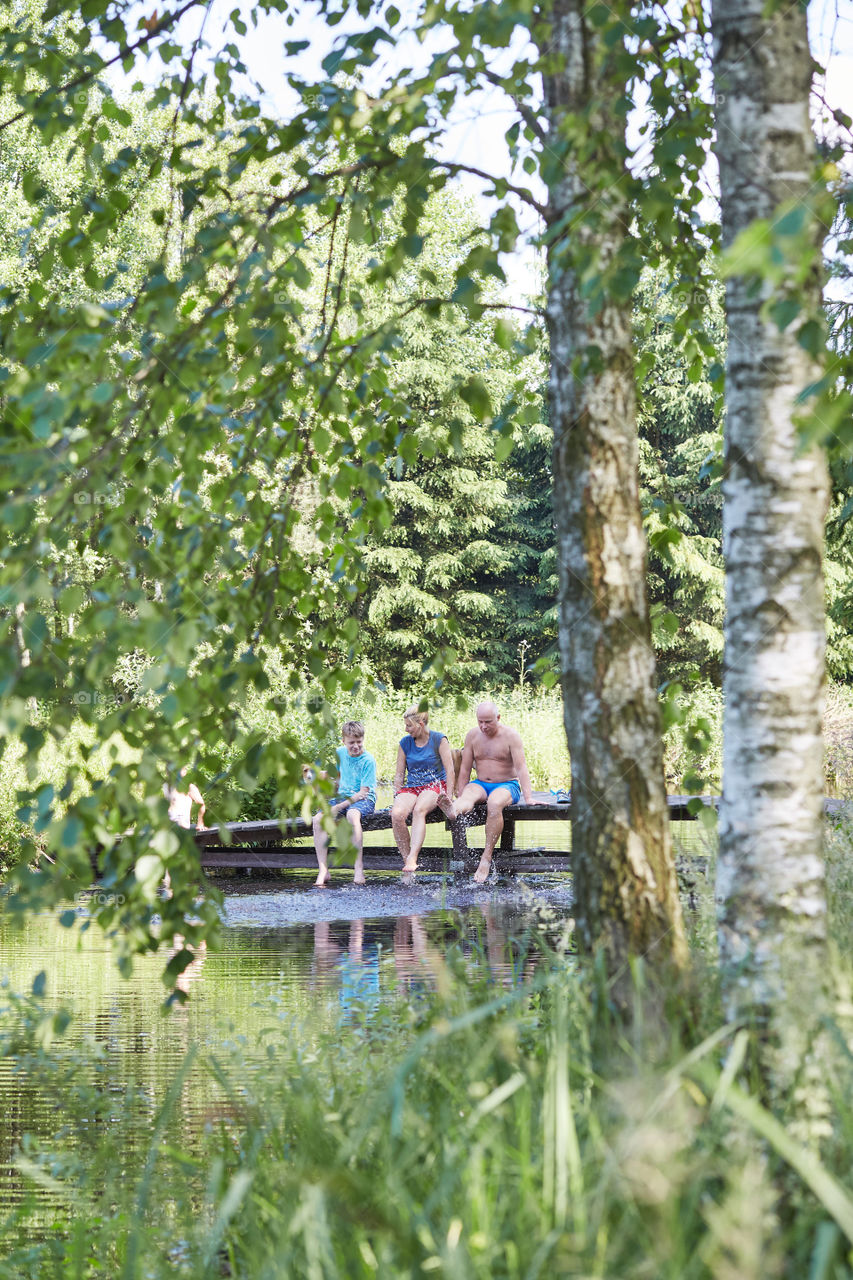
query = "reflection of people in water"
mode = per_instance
[
  {"x": 193, "y": 970},
  {"x": 504, "y": 964},
  {"x": 419, "y": 965},
  {"x": 356, "y": 968},
  {"x": 490, "y": 939}
]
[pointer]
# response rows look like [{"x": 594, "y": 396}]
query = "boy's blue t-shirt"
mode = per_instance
[{"x": 355, "y": 773}]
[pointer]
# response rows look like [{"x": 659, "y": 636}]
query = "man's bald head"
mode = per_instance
[{"x": 488, "y": 718}]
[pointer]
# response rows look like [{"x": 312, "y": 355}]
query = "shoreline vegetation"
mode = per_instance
[
  {"x": 536, "y": 713},
  {"x": 455, "y": 1126}
]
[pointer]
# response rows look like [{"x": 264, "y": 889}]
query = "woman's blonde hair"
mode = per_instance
[{"x": 417, "y": 714}]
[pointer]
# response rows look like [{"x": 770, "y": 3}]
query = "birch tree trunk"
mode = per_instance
[
  {"x": 624, "y": 877},
  {"x": 770, "y": 876}
]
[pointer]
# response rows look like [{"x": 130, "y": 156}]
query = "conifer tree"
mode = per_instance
[{"x": 678, "y": 417}]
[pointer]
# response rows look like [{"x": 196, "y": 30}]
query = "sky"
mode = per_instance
[{"x": 475, "y": 132}]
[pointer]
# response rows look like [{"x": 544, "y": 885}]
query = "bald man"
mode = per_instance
[{"x": 502, "y": 778}]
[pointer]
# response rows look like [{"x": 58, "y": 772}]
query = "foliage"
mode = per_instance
[
  {"x": 222, "y": 336},
  {"x": 172, "y": 429},
  {"x": 441, "y": 569},
  {"x": 455, "y": 1125},
  {"x": 679, "y": 422}
]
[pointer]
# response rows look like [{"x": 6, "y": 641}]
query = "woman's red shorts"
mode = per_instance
[{"x": 439, "y": 787}]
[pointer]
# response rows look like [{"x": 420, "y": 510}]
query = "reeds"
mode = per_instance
[{"x": 465, "y": 1129}]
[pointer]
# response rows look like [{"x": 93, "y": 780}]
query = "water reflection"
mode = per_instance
[
  {"x": 115, "y": 1065},
  {"x": 347, "y": 955},
  {"x": 416, "y": 962},
  {"x": 509, "y": 963},
  {"x": 192, "y": 973},
  {"x": 353, "y": 969}
]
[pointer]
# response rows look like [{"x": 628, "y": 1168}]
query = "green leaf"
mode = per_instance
[
  {"x": 475, "y": 393},
  {"x": 503, "y": 447},
  {"x": 784, "y": 311}
]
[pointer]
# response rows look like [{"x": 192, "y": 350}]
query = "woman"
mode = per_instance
[{"x": 425, "y": 761}]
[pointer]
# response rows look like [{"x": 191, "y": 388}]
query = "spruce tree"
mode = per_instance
[
  {"x": 442, "y": 571},
  {"x": 435, "y": 569},
  {"x": 679, "y": 419}
]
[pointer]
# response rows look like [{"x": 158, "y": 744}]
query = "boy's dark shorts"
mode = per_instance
[{"x": 365, "y": 807}]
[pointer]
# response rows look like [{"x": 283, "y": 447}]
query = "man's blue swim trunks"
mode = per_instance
[{"x": 513, "y": 787}]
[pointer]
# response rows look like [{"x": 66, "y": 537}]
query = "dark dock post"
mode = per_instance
[
  {"x": 507, "y": 843},
  {"x": 459, "y": 836}
]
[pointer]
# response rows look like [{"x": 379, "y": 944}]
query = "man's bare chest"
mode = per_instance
[{"x": 496, "y": 749}]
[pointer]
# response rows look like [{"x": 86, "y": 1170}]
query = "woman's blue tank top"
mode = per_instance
[{"x": 423, "y": 764}]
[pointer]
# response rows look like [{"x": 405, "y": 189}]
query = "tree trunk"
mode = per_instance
[
  {"x": 770, "y": 876},
  {"x": 625, "y": 887}
]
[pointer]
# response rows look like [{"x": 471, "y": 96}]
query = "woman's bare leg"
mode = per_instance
[
  {"x": 424, "y": 804},
  {"x": 400, "y": 810}
]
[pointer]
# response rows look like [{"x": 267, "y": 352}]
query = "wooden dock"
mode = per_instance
[{"x": 268, "y": 845}]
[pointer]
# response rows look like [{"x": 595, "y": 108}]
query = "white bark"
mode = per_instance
[
  {"x": 625, "y": 888},
  {"x": 770, "y": 881}
]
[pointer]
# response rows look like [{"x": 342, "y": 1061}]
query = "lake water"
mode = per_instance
[
  {"x": 127, "y": 1079},
  {"x": 290, "y": 956}
]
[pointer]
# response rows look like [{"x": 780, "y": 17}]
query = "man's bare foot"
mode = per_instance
[
  {"x": 410, "y": 865},
  {"x": 481, "y": 875}
]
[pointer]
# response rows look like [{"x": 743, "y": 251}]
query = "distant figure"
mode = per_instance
[
  {"x": 357, "y": 786},
  {"x": 425, "y": 762},
  {"x": 502, "y": 777},
  {"x": 181, "y": 803}
]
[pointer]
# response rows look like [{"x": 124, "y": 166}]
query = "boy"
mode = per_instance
[{"x": 357, "y": 787}]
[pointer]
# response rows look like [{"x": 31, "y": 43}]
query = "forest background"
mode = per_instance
[
  {"x": 277, "y": 454},
  {"x": 463, "y": 556}
]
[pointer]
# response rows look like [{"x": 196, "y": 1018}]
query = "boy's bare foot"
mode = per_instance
[
  {"x": 359, "y": 879},
  {"x": 481, "y": 875},
  {"x": 322, "y": 881}
]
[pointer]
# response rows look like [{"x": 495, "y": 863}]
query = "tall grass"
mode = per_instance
[{"x": 465, "y": 1129}]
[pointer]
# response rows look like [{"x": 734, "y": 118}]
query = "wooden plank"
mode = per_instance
[
  {"x": 281, "y": 860},
  {"x": 430, "y": 860},
  {"x": 275, "y": 833},
  {"x": 378, "y": 860}
]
